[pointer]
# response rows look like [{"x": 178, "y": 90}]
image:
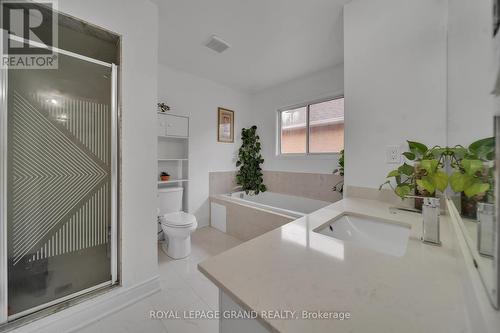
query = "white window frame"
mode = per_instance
[{"x": 307, "y": 105}]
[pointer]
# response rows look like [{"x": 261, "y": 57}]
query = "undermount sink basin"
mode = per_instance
[{"x": 372, "y": 233}]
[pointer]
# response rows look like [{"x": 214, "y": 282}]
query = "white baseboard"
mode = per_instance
[{"x": 83, "y": 314}]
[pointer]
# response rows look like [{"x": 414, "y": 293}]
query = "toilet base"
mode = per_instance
[{"x": 177, "y": 248}]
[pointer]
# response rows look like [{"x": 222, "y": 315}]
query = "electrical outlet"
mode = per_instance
[{"x": 393, "y": 155}]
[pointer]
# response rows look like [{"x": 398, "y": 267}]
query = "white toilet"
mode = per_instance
[{"x": 176, "y": 224}]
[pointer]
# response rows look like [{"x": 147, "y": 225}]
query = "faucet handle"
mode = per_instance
[{"x": 432, "y": 202}]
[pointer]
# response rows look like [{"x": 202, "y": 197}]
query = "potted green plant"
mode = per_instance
[
  {"x": 473, "y": 176},
  {"x": 249, "y": 175},
  {"x": 164, "y": 176},
  {"x": 424, "y": 178}
]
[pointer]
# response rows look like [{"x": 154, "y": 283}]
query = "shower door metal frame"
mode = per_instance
[
  {"x": 4, "y": 317},
  {"x": 114, "y": 174},
  {"x": 3, "y": 197}
]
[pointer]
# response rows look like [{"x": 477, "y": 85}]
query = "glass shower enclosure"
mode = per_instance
[{"x": 58, "y": 183}]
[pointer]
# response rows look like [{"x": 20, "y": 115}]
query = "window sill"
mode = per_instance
[{"x": 317, "y": 156}]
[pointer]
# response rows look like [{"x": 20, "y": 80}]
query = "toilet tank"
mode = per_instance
[{"x": 170, "y": 199}]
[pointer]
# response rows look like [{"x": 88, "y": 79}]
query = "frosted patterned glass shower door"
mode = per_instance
[{"x": 60, "y": 184}]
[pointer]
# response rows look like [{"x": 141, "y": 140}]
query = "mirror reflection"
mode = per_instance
[
  {"x": 463, "y": 170},
  {"x": 470, "y": 113}
]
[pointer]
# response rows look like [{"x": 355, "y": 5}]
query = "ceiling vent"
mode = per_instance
[{"x": 217, "y": 44}]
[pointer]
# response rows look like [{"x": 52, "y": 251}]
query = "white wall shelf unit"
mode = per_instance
[
  {"x": 171, "y": 181},
  {"x": 173, "y": 151},
  {"x": 170, "y": 125}
]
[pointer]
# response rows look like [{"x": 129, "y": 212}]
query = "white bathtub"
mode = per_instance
[
  {"x": 248, "y": 216},
  {"x": 285, "y": 204}
]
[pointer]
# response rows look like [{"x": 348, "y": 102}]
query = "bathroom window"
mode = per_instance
[
  {"x": 293, "y": 131},
  {"x": 315, "y": 128}
]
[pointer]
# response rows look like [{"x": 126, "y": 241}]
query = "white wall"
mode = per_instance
[
  {"x": 137, "y": 23},
  {"x": 395, "y": 81},
  {"x": 470, "y": 71},
  {"x": 199, "y": 99},
  {"x": 265, "y": 104}
]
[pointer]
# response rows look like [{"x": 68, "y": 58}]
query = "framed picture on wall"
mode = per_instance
[{"x": 225, "y": 125}]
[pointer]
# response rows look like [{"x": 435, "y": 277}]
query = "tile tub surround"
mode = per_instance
[
  {"x": 245, "y": 222},
  {"x": 307, "y": 185},
  {"x": 294, "y": 268},
  {"x": 221, "y": 182}
]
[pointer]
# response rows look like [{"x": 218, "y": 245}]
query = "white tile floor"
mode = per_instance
[{"x": 183, "y": 288}]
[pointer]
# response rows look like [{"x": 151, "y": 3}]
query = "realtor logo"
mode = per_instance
[{"x": 29, "y": 34}]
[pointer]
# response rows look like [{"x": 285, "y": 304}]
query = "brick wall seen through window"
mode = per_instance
[{"x": 314, "y": 128}]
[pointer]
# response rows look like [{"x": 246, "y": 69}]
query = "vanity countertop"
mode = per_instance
[{"x": 294, "y": 268}]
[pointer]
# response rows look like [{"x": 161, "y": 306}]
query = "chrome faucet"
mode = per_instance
[
  {"x": 431, "y": 211},
  {"x": 485, "y": 229}
]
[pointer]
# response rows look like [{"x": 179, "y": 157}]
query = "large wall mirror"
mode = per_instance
[{"x": 472, "y": 73}]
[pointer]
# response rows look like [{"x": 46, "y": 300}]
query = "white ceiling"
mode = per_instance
[{"x": 272, "y": 41}]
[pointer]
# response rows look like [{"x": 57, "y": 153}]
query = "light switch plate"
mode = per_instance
[{"x": 393, "y": 155}]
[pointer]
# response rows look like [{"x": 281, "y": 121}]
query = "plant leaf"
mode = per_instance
[
  {"x": 426, "y": 184},
  {"x": 402, "y": 190},
  {"x": 441, "y": 180},
  {"x": 471, "y": 167},
  {"x": 476, "y": 188},
  {"x": 483, "y": 152},
  {"x": 406, "y": 169},
  {"x": 430, "y": 166},
  {"x": 417, "y": 147},
  {"x": 490, "y": 156},
  {"x": 409, "y": 155},
  {"x": 393, "y": 173},
  {"x": 460, "y": 181},
  {"x": 485, "y": 144}
]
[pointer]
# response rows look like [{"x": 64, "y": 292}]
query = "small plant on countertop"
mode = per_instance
[
  {"x": 474, "y": 178},
  {"x": 425, "y": 176},
  {"x": 250, "y": 176},
  {"x": 474, "y": 172},
  {"x": 339, "y": 187}
]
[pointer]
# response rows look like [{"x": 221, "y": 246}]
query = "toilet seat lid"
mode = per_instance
[{"x": 179, "y": 219}]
